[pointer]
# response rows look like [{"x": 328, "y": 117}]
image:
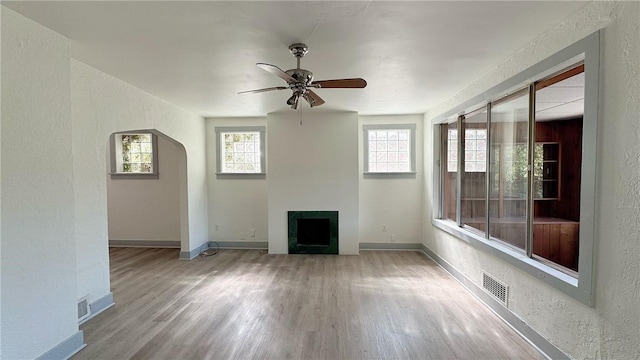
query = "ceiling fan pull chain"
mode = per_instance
[{"x": 300, "y": 114}]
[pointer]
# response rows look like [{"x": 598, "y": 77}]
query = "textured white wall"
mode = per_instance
[
  {"x": 395, "y": 202},
  {"x": 1, "y": 9},
  {"x": 38, "y": 249},
  {"x": 140, "y": 209},
  {"x": 618, "y": 265},
  {"x": 236, "y": 206},
  {"x": 101, "y": 105},
  {"x": 313, "y": 167},
  {"x": 610, "y": 330}
]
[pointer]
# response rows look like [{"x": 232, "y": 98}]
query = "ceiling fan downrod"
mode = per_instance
[{"x": 298, "y": 50}]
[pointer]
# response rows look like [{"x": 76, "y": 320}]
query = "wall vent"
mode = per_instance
[
  {"x": 83, "y": 309},
  {"x": 495, "y": 288}
]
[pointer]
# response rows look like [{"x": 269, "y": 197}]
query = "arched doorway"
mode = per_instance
[{"x": 147, "y": 201}]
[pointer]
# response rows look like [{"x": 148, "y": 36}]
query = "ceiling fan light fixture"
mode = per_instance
[{"x": 293, "y": 99}]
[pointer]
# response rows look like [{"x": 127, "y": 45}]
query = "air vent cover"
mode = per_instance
[
  {"x": 83, "y": 309},
  {"x": 495, "y": 288}
]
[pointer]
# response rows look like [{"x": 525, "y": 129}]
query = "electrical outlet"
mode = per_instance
[
  {"x": 215, "y": 227},
  {"x": 384, "y": 227},
  {"x": 393, "y": 237},
  {"x": 253, "y": 232}
]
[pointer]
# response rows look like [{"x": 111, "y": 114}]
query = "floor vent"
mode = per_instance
[
  {"x": 495, "y": 288},
  {"x": 83, "y": 309}
]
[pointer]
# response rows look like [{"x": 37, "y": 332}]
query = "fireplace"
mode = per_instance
[{"x": 313, "y": 232}]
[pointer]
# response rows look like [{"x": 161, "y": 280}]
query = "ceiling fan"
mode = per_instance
[{"x": 300, "y": 81}]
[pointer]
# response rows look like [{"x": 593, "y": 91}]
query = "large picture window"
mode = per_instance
[
  {"x": 517, "y": 173},
  {"x": 521, "y": 205}
]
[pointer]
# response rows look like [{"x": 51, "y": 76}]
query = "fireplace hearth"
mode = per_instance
[{"x": 313, "y": 232}]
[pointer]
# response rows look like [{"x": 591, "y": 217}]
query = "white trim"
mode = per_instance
[
  {"x": 66, "y": 349},
  {"x": 146, "y": 243},
  {"x": 99, "y": 306},
  {"x": 190, "y": 255},
  {"x": 391, "y": 246},
  {"x": 249, "y": 245}
]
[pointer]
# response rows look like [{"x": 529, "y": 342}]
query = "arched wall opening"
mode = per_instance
[{"x": 149, "y": 211}]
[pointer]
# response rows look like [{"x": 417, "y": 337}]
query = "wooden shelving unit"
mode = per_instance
[{"x": 547, "y": 184}]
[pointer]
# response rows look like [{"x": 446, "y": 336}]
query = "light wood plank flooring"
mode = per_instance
[{"x": 244, "y": 304}]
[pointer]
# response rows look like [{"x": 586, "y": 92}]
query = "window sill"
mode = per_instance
[
  {"x": 389, "y": 175},
  {"x": 134, "y": 176},
  {"x": 545, "y": 273},
  {"x": 258, "y": 176}
]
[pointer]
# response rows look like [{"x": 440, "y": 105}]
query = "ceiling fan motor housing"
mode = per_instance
[{"x": 301, "y": 75}]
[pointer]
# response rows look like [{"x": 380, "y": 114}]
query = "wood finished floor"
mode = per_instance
[{"x": 243, "y": 304}]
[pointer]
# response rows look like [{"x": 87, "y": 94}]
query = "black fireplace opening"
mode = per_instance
[{"x": 313, "y": 232}]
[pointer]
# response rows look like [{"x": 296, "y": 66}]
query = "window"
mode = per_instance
[
  {"x": 517, "y": 175},
  {"x": 449, "y": 178},
  {"x": 473, "y": 175},
  {"x": 501, "y": 209},
  {"x": 134, "y": 154},
  {"x": 389, "y": 148},
  {"x": 509, "y": 171},
  {"x": 240, "y": 150}
]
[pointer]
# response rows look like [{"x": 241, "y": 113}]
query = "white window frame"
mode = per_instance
[
  {"x": 115, "y": 141},
  {"x": 412, "y": 149},
  {"x": 581, "y": 287},
  {"x": 220, "y": 131}
]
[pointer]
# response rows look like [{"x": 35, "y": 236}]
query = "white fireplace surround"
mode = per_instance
[{"x": 313, "y": 166}]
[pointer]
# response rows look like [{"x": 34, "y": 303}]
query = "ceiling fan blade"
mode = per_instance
[
  {"x": 263, "y": 90},
  {"x": 276, "y": 71},
  {"x": 313, "y": 99},
  {"x": 341, "y": 83}
]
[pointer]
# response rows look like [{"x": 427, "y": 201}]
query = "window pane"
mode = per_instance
[
  {"x": 557, "y": 168},
  {"x": 240, "y": 152},
  {"x": 449, "y": 185},
  {"x": 137, "y": 153},
  {"x": 389, "y": 150},
  {"x": 509, "y": 170},
  {"x": 473, "y": 205}
]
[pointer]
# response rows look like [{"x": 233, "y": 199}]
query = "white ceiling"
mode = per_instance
[
  {"x": 198, "y": 55},
  {"x": 562, "y": 100}
]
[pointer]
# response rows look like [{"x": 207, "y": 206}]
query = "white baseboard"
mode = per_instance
[
  {"x": 65, "y": 349},
  {"x": 260, "y": 245},
  {"x": 99, "y": 306},
  {"x": 391, "y": 246},
  {"x": 145, "y": 243}
]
